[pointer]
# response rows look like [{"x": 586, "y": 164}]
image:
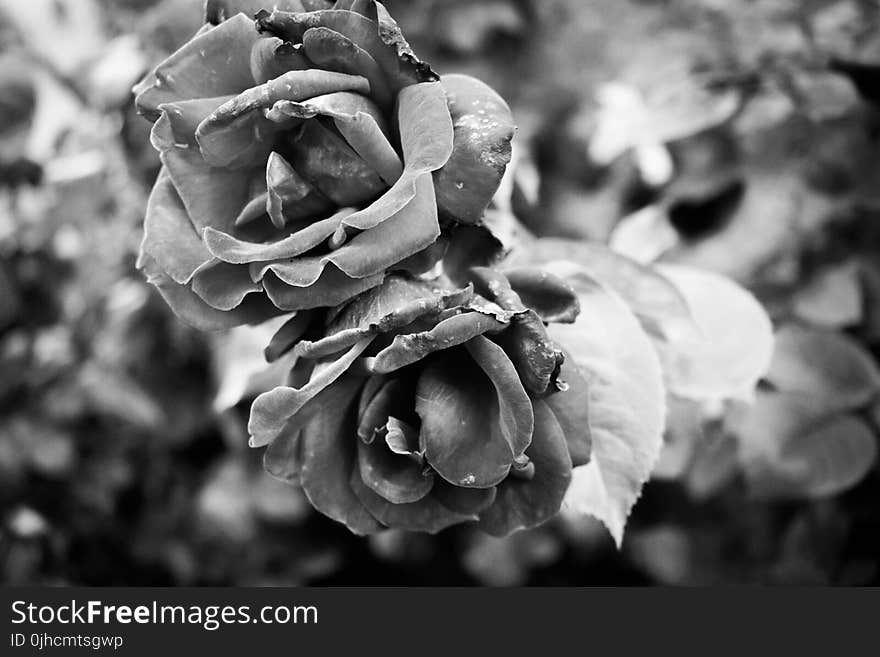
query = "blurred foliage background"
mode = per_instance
[{"x": 739, "y": 136}]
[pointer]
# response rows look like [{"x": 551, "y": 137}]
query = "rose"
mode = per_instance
[
  {"x": 419, "y": 406},
  {"x": 306, "y": 158}
]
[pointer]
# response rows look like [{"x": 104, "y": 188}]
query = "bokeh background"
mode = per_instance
[{"x": 741, "y": 136}]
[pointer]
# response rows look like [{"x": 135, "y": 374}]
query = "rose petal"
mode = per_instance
[
  {"x": 271, "y": 410},
  {"x": 328, "y": 458},
  {"x": 286, "y": 336},
  {"x": 413, "y": 347},
  {"x": 272, "y": 57},
  {"x": 244, "y": 141},
  {"x": 483, "y": 130},
  {"x": 391, "y": 398},
  {"x": 214, "y": 63},
  {"x": 426, "y": 140},
  {"x": 177, "y": 125},
  {"x": 427, "y": 515},
  {"x": 403, "y": 439},
  {"x": 571, "y": 407},
  {"x": 292, "y": 85},
  {"x": 363, "y": 126},
  {"x": 333, "y": 51},
  {"x": 217, "y": 11},
  {"x": 329, "y": 163},
  {"x": 371, "y": 252},
  {"x": 223, "y": 286},
  {"x": 467, "y": 501},
  {"x": 396, "y": 303},
  {"x": 550, "y": 296},
  {"x": 384, "y": 44},
  {"x": 233, "y": 250},
  {"x": 187, "y": 305},
  {"x": 212, "y": 197},
  {"x": 535, "y": 356},
  {"x": 283, "y": 457},
  {"x": 470, "y": 247},
  {"x": 523, "y": 503},
  {"x": 473, "y": 428},
  {"x": 331, "y": 288},
  {"x": 169, "y": 237},
  {"x": 290, "y": 196},
  {"x": 396, "y": 478}
]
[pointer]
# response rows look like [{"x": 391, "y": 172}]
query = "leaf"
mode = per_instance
[
  {"x": 684, "y": 430},
  {"x": 791, "y": 449},
  {"x": 117, "y": 395},
  {"x": 735, "y": 344},
  {"x": 679, "y": 107},
  {"x": 655, "y": 300},
  {"x": 45, "y": 24},
  {"x": 626, "y": 405},
  {"x": 833, "y": 299},
  {"x": 241, "y": 367},
  {"x": 644, "y": 235},
  {"x": 829, "y": 367}
]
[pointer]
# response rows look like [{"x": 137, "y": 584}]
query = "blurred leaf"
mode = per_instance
[
  {"x": 770, "y": 220},
  {"x": 789, "y": 450},
  {"x": 714, "y": 465},
  {"x": 824, "y": 96},
  {"x": 654, "y": 299},
  {"x": 34, "y": 443},
  {"x": 24, "y": 522},
  {"x": 119, "y": 67},
  {"x": 665, "y": 552},
  {"x": 277, "y": 502},
  {"x": 830, "y": 368},
  {"x": 67, "y": 33},
  {"x": 224, "y": 502},
  {"x": 832, "y": 299},
  {"x": 240, "y": 364},
  {"x": 113, "y": 393},
  {"x": 684, "y": 430},
  {"x": 644, "y": 235},
  {"x": 627, "y": 404},
  {"x": 509, "y": 561},
  {"x": 10, "y": 302},
  {"x": 735, "y": 346},
  {"x": 677, "y": 107}
]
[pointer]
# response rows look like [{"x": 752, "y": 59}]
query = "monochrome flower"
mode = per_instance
[
  {"x": 305, "y": 155},
  {"x": 420, "y": 405}
]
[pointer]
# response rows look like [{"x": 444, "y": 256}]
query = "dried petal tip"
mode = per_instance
[
  {"x": 524, "y": 471},
  {"x": 261, "y": 20}
]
